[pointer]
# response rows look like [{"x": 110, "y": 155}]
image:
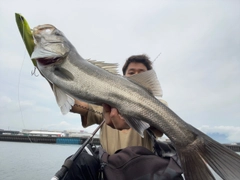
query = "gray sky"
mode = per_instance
[{"x": 199, "y": 65}]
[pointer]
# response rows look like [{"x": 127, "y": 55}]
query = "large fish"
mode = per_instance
[{"x": 96, "y": 82}]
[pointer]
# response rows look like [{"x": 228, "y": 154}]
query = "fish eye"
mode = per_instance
[{"x": 58, "y": 33}]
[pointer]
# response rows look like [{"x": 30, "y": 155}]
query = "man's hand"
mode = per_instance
[
  {"x": 113, "y": 118},
  {"x": 116, "y": 121}
]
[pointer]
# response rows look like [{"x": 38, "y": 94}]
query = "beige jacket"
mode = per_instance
[{"x": 112, "y": 139}]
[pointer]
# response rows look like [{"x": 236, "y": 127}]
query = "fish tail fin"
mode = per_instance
[
  {"x": 225, "y": 162},
  {"x": 193, "y": 165},
  {"x": 205, "y": 151}
]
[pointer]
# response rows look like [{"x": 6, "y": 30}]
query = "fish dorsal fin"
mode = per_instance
[
  {"x": 64, "y": 101},
  {"x": 110, "y": 67},
  {"x": 149, "y": 81}
]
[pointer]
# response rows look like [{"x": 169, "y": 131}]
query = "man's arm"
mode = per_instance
[
  {"x": 90, "y": 114},
  {"x": 111, "y": 116},
  {"x": 82, "y": 109}
]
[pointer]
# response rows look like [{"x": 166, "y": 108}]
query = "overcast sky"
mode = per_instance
[{"x": 199, "y": 65}]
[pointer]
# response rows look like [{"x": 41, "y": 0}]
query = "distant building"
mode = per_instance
[
  {"x": 9, "y": 132},
  {"x": 43, "y": 133},
  {"x": 80, "y": 133},
  {"x": 65, "y": 133}
]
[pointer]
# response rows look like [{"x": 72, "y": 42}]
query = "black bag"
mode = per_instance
[
  {"x": 139, "y": 163},
  {"x": 86, "y": 166},
  {"x": 130, "y": 163}
]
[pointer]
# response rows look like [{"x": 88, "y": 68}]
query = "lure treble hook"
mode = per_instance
[{"x": 33, "y": 72}]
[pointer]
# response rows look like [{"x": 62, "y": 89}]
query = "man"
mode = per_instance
[{"x": 115, "y": 133}]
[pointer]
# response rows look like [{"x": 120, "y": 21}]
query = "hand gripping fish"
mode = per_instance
[{"x": 97, "y": 83}]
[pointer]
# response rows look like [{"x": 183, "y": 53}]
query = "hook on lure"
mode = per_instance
[{"x": 33, "y": 72}]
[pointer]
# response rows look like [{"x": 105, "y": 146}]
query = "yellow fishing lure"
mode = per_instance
[
  {"x": 26, "y": 34},
  {"x": 27, "y": 37}
]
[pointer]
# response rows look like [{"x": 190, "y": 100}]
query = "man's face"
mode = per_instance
[{"x": 135, "y": 68}]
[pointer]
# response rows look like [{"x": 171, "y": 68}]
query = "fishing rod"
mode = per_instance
[{"x": 68, "y": 163}]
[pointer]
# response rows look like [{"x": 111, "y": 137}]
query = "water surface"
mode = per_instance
[{"x": 25, "y": 161}]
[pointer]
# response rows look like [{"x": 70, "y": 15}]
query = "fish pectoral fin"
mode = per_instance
[
  {"x": 110, "y": 67},
  {"x": 63, "y": 73},
  {"x": 64, "y": 101},
  {"x": 137, "y": 125},
  {"x": 149, "y": 81}
]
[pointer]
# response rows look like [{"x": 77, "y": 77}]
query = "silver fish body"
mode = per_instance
[{"x": 59, "y": 62}]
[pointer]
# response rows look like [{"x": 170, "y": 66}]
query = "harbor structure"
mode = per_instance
[{"x": 63, "y": 137}]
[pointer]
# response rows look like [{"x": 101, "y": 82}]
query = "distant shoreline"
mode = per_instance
[
  {"x": 69, "y": 140},
  {"x": 46, "y": 139}
]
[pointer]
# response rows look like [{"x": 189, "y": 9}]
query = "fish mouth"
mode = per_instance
[{"x": 47, "y": 61}]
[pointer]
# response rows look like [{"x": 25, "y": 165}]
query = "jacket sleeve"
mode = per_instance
[{"x": 94, "y": 115}]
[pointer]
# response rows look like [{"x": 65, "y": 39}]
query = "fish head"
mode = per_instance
[{"x": 50, "y": 44}]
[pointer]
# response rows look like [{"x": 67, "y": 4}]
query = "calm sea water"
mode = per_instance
[{"x": 35, "y": 161}]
